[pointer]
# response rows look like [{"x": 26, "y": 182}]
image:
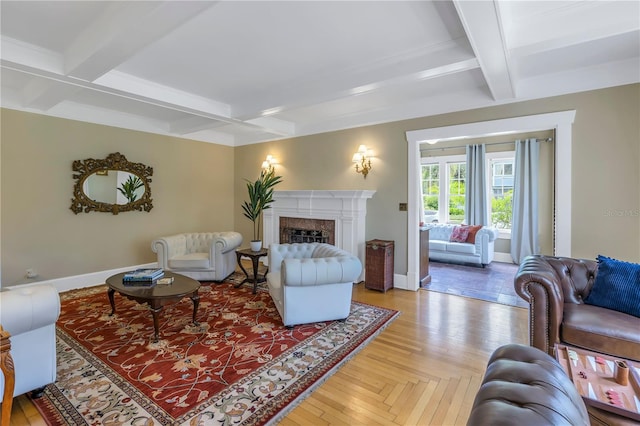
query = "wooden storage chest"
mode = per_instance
[{"x": 379, "y": 265}]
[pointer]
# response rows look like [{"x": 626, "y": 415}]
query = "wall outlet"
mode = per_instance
[
  {"x": 403, "y": 207},
  {"x": 31, "y": 273}
]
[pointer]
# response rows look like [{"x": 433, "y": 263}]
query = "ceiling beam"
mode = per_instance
[
  {"x": 481, "y": 22},
  {"x": 275, "y": 126},
  {"x": 136, "y": 87},
  {"x": 438, "y": 61},
  {"x": 208, "y": 135},
  {"x": 28, "y": 55},
  {"x": 565, "y": 25},
  {"x": 44, "y": 94},
  {"x": 124, "y": 29},
  {"x": 548, "y": 44},
  {"x": 129, "y": 87},
  {"x": 106, "y": 116},
  {"x": 193, "y": 124}
]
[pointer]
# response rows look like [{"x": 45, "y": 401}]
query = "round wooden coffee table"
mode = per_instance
[{"x": 156, "y": 296}]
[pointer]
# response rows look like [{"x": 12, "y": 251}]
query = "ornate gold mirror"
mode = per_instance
[{"x": 112, "y": 185}]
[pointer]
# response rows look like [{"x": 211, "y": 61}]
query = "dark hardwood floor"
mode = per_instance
[{"x": 494, "y": 283}]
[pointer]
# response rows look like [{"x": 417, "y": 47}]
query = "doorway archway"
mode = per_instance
[{"x": 560, "y": 122}]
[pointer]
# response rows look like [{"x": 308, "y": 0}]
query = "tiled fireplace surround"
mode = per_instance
[{"x": 348, "y": 210}]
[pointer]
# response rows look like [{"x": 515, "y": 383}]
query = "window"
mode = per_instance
[
  {"x": 430, "y": 192},
  {"x": 456, "y": 191},
  {"x": 501, "y": 195},
  {"x": 443, "y": 184},
  {"x": 502, "y": 179},
  {"x": 449, "y": 174}
]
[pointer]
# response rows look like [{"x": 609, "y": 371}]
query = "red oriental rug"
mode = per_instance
[{"x": 239, "y": 366}]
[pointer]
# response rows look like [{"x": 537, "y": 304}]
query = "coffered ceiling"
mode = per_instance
[{"x": 241, "y": 72}]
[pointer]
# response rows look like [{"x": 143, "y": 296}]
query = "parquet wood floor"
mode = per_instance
[{"x": 424, "y": 369}]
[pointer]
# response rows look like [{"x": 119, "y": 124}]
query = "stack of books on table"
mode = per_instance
[{"x": 142, "y": 277}]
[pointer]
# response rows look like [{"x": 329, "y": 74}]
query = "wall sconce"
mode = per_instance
[
  {"x": 267, "y": 165},
  {"x": 362, "y": 159}
]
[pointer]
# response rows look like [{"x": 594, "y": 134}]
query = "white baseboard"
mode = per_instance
[
  {"x": 85, "y": 280},
  {"x": 400, "y": 282}
]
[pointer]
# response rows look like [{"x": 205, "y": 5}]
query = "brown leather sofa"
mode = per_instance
[
  {"x": 525, "y": 386},
  {"x": 556, "y": 288}
]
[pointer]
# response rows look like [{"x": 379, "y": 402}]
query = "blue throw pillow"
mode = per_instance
[{"x": 617, "y": 286}]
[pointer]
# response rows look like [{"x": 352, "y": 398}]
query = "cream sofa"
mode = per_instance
[
  {"x": 202, "y": 256},
  {"x": 29, "y": 314},
  {"x": 311, "y": 282},
  {"x": 443, "y": 250}
]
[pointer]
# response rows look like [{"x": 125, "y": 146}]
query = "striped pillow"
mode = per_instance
[{"x": 617, "y": 286}]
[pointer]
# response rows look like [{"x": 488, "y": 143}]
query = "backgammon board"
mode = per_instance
[{"x": 593, "y": 374}]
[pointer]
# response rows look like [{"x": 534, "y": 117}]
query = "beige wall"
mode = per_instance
[
  {"x": 605, "y": 156},
  {"x": 324, "y": 162},
  {"x": 192, "y": 190},
  {"x": 605, "y": 174},
  {"x": 198, "y": 186}
]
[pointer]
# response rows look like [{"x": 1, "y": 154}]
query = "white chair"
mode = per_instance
[
  {"x": 29, "y": 314},
  {"x": 311, "y": 282},
  {"x": 202, "y": 256}
]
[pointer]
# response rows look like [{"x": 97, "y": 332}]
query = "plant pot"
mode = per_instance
[{"x": 256, "y": 245}]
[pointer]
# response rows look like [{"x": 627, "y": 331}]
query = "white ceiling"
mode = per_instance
[{"x": 242, "y": 72}]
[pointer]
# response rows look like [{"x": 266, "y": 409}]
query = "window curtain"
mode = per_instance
[
  {"x": 476, "y": 211},
  {"x": 421, "y": 204},
  {"x": 524, "y": 227}
]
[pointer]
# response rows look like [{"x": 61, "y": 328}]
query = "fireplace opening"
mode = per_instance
[
  {"x": 294, "y": 235},
  {"x": 298, "y": 230}
]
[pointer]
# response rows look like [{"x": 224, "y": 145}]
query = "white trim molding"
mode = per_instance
[
  {"x": 82, "y": 281},
  {"x": 560, "y": 122}
]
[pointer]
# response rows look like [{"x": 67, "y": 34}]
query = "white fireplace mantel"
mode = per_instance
[{"x": 347, "y": 208}]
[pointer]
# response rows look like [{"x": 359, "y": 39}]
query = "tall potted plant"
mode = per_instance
[{"x": 260, "y": 199}]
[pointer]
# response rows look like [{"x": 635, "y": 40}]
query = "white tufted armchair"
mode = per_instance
[
  {"x": 311, "y": 282},
  {"x": 200, "y": 255},
  {"x": 442, "y": 249},
  {"x": 29, "y": 314}
]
